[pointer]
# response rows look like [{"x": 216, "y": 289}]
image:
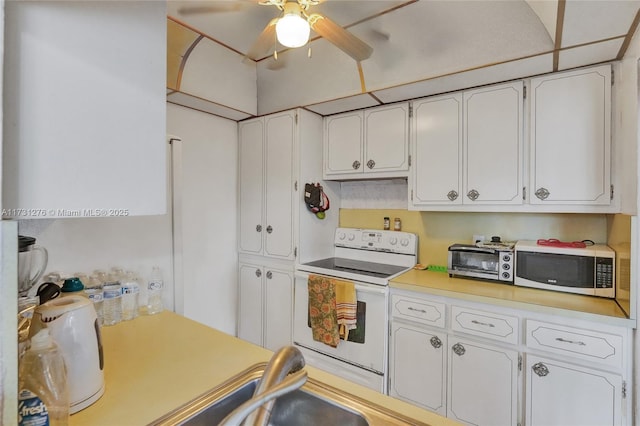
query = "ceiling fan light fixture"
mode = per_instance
[{"x": 292, "y": 29}]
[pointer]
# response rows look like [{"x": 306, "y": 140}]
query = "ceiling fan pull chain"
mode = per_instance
[{"x": 309, "y": 52}]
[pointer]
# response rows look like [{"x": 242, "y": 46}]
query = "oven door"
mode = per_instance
[{"x": 369, "y": 345}]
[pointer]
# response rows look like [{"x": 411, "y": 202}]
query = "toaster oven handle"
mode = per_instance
[{"x": 474, "y": 249}]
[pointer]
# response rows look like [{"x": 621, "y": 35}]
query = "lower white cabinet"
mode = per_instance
[
  {"x": 265, "y": 308},
  {"x": 483, "y": 364},
  {"x": 483, "y": 383},
  {"x": 418, "y": 366},
  {"x": 563, "y": 394}
]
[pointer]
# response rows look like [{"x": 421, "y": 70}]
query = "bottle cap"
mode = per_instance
[{"x": 72, "y": 284}]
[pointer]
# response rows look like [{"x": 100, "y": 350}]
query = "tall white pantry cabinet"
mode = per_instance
[{"x": 278, "y": 154}]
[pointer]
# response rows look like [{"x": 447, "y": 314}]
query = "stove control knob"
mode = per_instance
[
  {"x": 342, "y": 235},
  {"x": 404, "y": 242},
  {"x": 393, "y": 241},
  {"x": 352, "y": 237}
]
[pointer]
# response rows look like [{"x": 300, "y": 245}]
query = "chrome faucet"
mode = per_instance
[{"x": 274, "y": 382}]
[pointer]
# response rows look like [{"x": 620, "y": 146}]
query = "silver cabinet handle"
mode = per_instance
[
  {"x": 452, "y": 195},
  {"x": 542, "y": 193},
  {"x": 422, "y": 311},
  {"x": 258, "y": 228},
  {"x": 458, "y": 349},
  {"x": 258, "y": 273},
  {"x": 485, "y": 324},
  {"x": 573, "y": 342},
  {"x": 371, "y": 164},
  {"x": 436, "y": 342},
  {"x": 269, "y": 275},
  {"x": 356, "y": 165},
  {"x": 473, "y": 195},
  {"x": 540, "y": 369},
  {"x": 269, "y": 229}
]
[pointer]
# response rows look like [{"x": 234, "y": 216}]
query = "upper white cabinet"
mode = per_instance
[
  {"x": 277, "y": 155},
  {"x": 570, "y": 136},
  {"x": 84, "y": 109},
  {"x": 267, "y": 185},
  {"x": 468, "y": 148},
  {"x": 373, "y": 143},
  {"x": 436, "y": 175}
]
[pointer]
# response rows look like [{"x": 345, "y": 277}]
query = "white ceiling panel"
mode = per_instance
[
  {"x": 432, "y": 38},
  {"x": 502, "y": 72},
  {"x": 233, "y": 84},
  {"x": 296, "y": 80},
  {"x": 587, "y": 21},
  {"x": 344, "y": 104},
  {"x": 589, "y": 54}
]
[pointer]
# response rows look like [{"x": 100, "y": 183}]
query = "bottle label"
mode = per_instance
[
  {"x": 155, "y": 285},
  {"x": 112, "y": 293},
  {"x": 31, "y": 410},
  {"x": 130, "y": 289}
]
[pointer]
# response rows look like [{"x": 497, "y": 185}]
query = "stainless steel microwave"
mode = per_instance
[{"x": 589, "y": 270}]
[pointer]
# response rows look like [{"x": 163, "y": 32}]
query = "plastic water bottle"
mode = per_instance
[
  {"x": 43, "y": 397},
  {"x": 111, "y": 305},
  {"x": 154, "y": 291},
  {"x": 93, "y": 290},
  {"x": 130, "y": 293}
]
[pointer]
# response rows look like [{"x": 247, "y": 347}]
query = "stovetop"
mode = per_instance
[{"x": 360, "y": 267}]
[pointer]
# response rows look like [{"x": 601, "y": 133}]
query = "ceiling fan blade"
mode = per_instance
[
  {"x": 264, "y": 42},
  {"x": 217, "y": 7},
  {"x": 343, "y": 39}
]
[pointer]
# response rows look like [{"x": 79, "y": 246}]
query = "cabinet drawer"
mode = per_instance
[
  {"x": 590, "y": 345},
  {"x": 489, "y": 325},
  {"x": 419, "y": 310}
]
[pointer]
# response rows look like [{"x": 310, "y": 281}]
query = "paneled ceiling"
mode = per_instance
[{"x": 420, "y": 47}]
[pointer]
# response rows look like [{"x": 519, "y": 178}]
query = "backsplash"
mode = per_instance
[{"x": 438, "y": 230}]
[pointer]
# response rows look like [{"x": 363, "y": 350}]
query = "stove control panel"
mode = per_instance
[{"x": 377, "y": 240}]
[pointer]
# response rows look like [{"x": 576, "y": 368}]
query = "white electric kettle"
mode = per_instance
[{"x": 72, "y": 322}]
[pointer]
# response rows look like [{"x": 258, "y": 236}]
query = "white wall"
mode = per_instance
[
  {"x": 205, "y": 214},
  {"x": 85, "y": 244}
]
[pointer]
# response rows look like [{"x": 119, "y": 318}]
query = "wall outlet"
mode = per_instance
[{"x": 478, "y": 238}]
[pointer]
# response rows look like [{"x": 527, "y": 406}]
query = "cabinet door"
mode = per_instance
[
  {"x": 564, "y": 395},
  {"x": 87, "y": 137},
  {"x": 279, "y": 181},
  {"x": 417, "y": 366},
  {"x": 437, "y": 151},
  {"x": 386, "y": 147},
  {"x": 571, "y": 137},
  {"x": 343, "y": 144},
  {"x": 250, "y": 303},
  {"x": 250, "y": 181},
  {"x": 278, "y": 308},
  {"x": 483, "y": 384},
  {"x": 493, "y": 146}
]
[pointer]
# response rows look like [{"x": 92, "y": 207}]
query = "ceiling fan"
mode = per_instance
[{"x": 292, "y": 30}]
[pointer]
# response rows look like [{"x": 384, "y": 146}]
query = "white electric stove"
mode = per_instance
[{"x": 369, "y": 258}]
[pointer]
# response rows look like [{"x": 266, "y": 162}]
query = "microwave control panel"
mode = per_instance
[{"x": 604, "y": 272}]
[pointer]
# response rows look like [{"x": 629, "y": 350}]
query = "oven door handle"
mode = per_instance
[{"x": 364, "y": 288}]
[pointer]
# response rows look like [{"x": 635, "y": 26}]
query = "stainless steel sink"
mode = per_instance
[{"x": 314, "y": 404}]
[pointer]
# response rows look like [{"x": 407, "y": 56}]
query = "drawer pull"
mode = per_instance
[
  {"x": 540, "y": 369},
  {"x": 422, "y": 311},
  {"x": 573, "y": 342},
  {"x": 436, "y": 342},
  {"x": 486, "y": 324},
  {"x": 458, "y": 349}
]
